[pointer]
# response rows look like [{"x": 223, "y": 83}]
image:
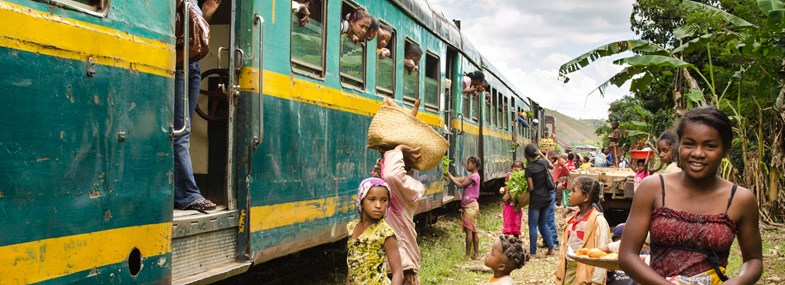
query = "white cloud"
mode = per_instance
[{"x": 527, "y": 41}]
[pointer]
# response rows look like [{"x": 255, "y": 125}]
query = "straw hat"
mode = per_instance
[{"x": 392, "y": 126}]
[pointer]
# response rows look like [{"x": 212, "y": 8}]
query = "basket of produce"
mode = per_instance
[
  {"x": 596, "y": 257},
  {"x": 393, "y": 125},
  {"x": 518, "y": 188}
]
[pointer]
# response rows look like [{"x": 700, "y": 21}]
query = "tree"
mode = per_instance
[{"x": 719, "y": 58}]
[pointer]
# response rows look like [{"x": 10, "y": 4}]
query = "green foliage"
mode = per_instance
[{"x": 517, "y": 183}]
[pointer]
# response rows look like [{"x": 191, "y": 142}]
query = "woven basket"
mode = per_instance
[
  {"x": 392, "y": 126},
  {"x": 607, "y": 263},
  {"x": 523, "y": 199}
]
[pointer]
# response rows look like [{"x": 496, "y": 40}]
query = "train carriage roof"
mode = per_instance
[{"x": 440, "y": 25}]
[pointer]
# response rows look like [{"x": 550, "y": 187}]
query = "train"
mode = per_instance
[{"x": 279, "y": 142}]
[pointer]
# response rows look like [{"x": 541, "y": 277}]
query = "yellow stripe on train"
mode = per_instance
[
  {"x": 46, "y": 259},
  {"x": 26, "y": 29},
  {"x": 279, "y": 215}
]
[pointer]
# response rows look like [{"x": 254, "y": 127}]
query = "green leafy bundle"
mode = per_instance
[
  {"x": 517, "y": 184},
  {"x": 446, "y": 163}
]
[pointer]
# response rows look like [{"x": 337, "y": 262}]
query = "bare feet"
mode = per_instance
[
  {"x": 476, "y": 257},
  {"x": 550, "y": 252}
]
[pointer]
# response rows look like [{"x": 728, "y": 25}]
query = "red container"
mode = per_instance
[{"x": 642, "y": 154}]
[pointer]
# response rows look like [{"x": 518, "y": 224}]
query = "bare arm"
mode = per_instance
[
  {"x": 394, "y": 259},
  {"x": 394, "y": 173},
  {"x": 459, "y": 182},
  {"x": 749, "y": 238},
  {"x": 209, "y": 7},
  {"x": 635, "y": 231}
]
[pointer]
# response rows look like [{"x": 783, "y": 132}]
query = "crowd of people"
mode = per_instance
[
  {"x": 684, "y": 242},
  {"x": 689, "y": 242}
]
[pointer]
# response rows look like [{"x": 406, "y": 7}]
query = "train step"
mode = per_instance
[
  {"x": 447, "y": 199},
  {"x": 204, "y": 246}
]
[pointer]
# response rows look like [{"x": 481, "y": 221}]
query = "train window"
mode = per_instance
[
  {"x": 506, "y": 119},
  {"x": 308, "y": 41},
  {"x": 489, "y": 109},
  {"x": 352, "y": 62},
  {"x": 431, "y": 82},
  {"x": 465, "y": 105},
  {"x": 499, "y": 115},
  {"x": 92, "y": 7},
  {"x": 385, "y": 68},
  {"x": 411, "y": 80},
  {"x": 476, "y": 106}
]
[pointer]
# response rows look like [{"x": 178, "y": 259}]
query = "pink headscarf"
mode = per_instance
[{"x": 366, "y": 185}]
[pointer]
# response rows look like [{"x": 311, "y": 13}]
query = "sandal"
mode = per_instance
[{"x": 202, "y": 205}]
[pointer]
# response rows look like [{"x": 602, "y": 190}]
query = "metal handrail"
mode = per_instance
[
  {"x": 258, "y": 19},
  {"x": 186, "y": 119}
]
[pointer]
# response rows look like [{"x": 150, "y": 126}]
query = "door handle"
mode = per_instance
[{"x": 257, "y": 140}]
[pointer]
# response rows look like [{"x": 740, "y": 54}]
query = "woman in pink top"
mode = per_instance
[
  {"x": 405, "y": 191},
  {"x": 469, "y": 206}
]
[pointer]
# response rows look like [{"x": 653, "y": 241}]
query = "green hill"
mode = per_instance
[{"x": 575, "y": 132}]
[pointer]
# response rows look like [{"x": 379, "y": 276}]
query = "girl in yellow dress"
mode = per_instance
[{"x": 372, "y": 239}]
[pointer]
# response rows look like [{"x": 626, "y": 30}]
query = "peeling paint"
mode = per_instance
[
  {"x": 97, "y": 100},
  {"x": 107, "y": 215},
  {"x": 69, "y": 94},
  {"x": 161, "y": 261},
  {"x": 95, "y": 194},
  {"x": 93, "y": 272},
  {"x": 161, "y": 154},
  {"x": 62, "y": 135},
  {"x": 42, "y": 159},
  {"x": 133, "y": 106}
]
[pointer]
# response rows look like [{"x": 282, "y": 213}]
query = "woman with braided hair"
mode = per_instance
[
  {"x": 586, "y": 229},
  {"x": 506, "y": 255}
]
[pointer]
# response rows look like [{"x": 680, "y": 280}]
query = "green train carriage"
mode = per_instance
[{"x": 86, "y": 188}]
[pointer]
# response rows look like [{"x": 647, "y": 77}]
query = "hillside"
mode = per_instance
[{"x": 575, "y": 132}]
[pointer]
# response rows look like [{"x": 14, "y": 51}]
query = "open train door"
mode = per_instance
[
  {"x": 226, "y": 129},
  {"x": 450, "y": 103}
]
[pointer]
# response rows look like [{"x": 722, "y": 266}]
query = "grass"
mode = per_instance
[{"x": 442, "y": 250}]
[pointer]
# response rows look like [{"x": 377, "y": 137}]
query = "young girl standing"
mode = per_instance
[
  {"x": 372, "y": 239},
  {"x": 469, "y": 206},
  {"x": 694, "y": 215},
  {"x": 511, "y": 214},
  {"x": 586, "y": 229}
]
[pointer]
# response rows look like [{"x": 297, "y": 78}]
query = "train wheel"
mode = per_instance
[{"x": 217, "y": 101}]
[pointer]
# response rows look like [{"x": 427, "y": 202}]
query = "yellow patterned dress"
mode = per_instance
[{"x": 366, "y": 255}]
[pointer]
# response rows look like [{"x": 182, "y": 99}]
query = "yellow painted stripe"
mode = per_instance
[
  {"x": 435, "y": 188},
  {"x": 279, "y": 215},
  {"x": 46, "y": 259},
  {"x": 26, "y": 29},
  {"x": 295, "y": 89}
]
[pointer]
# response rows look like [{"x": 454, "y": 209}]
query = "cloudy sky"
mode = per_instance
[{"x": 527, "y": 40}]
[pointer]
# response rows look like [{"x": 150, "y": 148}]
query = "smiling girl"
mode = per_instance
[{"x": 694, "y": 215}]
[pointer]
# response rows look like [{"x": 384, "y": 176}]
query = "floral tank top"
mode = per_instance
[
  {"x": 366, "y": 256},
  {"x": 677, "y": 239}
]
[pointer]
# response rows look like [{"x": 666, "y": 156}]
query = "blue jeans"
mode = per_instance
[
  {"x": 552, "y": 220},
  {"x": 537, "y": 218},
  {"x": 185, "y": 190}
]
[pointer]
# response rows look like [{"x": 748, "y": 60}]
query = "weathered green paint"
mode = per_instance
[
  {"x": 155, "y": 270},
  {"x": 63, "y": 170}
]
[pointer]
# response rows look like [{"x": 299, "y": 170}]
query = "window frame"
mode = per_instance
[
  {"x": 506, "y": 113},
  {"x": 301, "y": 67},
  {"x": 409, "y": 101},
  {"x": 358, "y": 84},
  {"x": 489, "y": 108},
  {"x": 437, "y": 76},
  {"x": 100, "y": 10},
  {"x": 392, "y": 44}
]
